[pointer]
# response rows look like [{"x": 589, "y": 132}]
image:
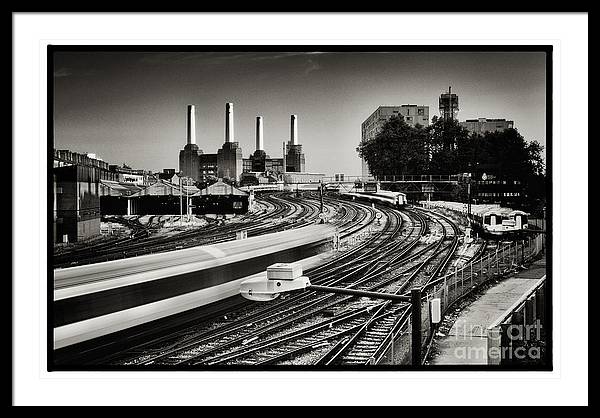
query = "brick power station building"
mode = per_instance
[
  {"x": 228, "y": 162},
  {"x": 76, "y": 186}
]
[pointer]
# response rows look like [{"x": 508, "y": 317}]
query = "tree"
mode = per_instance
[
  {"x": 450, "y": 147},
  {"x": 506, "y": 154},
  {"x": 397, "y": 149},
  {"x": 445, "y": 147}
]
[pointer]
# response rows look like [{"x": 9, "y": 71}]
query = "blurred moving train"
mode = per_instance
[
  {"x": 491, "y": 219},
  {"x": 94, "y": 300}
]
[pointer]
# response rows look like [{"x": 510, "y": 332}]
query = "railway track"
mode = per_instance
[
  {"x": 307, "y": 327},
  {"x": 368, "y": 344},
  {"x": 341, "y": 306},
  {"x": 351, "y": 218},
  {"x": 357, "y": 344},
  {"x": 246, "y": 329},
  {"x": 365, "y": 345}
]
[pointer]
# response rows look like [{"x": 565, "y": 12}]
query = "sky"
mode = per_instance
[{"x": 130, "y": 107}]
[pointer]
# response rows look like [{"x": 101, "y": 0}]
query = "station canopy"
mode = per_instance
[
  {"x": 221, "y": 188},
  {"x": 164, "y": 188},
  {"x": 115, "y": 188}
]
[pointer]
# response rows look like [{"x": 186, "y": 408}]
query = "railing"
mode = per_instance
[
  {"x": 454, "y": 286},
  {"x": 348, "y": 179},
  {"x": 537, "y": 223},
  {"x": 429, "y": 178},
  {"x": 420, "y": 178}
]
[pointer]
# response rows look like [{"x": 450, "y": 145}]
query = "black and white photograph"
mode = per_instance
[
  {"x": 322, "y": 207},
  {"x": 299, "y": 207}
]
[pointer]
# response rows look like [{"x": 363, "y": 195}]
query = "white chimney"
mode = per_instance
[
  {"x": 229, "y": 137},
  {"x": 259, "y": 133},
  {"x": 191, "y": 124},
  {"x": 294, "y": 130}
]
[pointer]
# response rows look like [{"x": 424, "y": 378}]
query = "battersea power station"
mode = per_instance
[{"x": 228, "y": 163}]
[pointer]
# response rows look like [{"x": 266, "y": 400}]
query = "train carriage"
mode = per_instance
[
  {"x": 499, "y": 221},
  {"x": 490, "y": 219},
  {"x": 393, "y": 199}
]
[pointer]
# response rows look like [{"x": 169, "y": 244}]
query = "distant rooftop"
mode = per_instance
[{"x": 486, "y": 120}]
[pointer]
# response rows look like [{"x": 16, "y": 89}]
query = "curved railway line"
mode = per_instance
[
  {"x": 354, "y": 335},
  {"x": 316, "y": 328},
  {"x": 350, "y": 219},
  {"x": 411, "y": 247}
]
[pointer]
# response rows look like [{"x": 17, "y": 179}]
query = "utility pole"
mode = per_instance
[
  {"x": 187, "y": 198},
  {"x": 180, "y": 200},
  {"x": 469, "y": 200},
  {"x": 321, "y": 194},
  {"x": 415, "y": 300},
  {"x": 284, "y": 158}
]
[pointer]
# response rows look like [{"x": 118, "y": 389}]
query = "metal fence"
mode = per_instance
[
  {"x": 454, "y": 286},
  {"x": 453, "y": 178},
  {"x": 537, "y": 223}
]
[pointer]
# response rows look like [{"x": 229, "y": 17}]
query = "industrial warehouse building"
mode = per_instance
[
  {"x": 165, "y": 198},
  {"x": 76, "y": 187},
  {"x": 159, "y": 198},
  {"x": 113, "y": 197},
  {"x": 221, "y": 198},
  {"x": 85, "y": 188}
]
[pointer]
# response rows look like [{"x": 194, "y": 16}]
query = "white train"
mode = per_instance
[
  {"x": 267, "y": 187},
  {"x": 94, "y": 300},
  {"x": 488, "y": 219},
  {"x": 393, "y": 199}
]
